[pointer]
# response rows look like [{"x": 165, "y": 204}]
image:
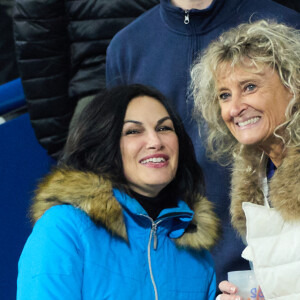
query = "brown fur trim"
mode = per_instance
[
  {"x": 245, "y": 187},
  {"x": 206, "y": 225},
  {"x": 284, "y": 188},
  {"x": 93, "y": 195},
  {"x": 84, "y": 190}
]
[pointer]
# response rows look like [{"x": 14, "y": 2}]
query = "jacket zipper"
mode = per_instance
[
  {"x": 186, "y": 17},
  {"x": 153, "y": 233}
]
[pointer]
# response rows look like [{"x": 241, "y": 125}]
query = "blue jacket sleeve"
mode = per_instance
[
  {"x": 212, "y": 288},
  {"x": 51, "y": 264}
]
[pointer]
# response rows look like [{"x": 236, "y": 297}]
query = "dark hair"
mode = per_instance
[{"x": 93, "y": 143}]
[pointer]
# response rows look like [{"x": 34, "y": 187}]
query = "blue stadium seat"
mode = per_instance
[
  {"x": 11, "y": 96},
  {"x": 23, "y": 163}
]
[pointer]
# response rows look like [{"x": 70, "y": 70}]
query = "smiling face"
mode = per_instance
[
  {"x": 149, "y": 146},
  {"x": 253, "y": 103}
]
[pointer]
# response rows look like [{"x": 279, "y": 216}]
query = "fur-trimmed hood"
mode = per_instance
[
  {"x": 94, "y": 195},
  {"x": 247, "y": 186}
]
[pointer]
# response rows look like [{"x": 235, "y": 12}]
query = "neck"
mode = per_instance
[
  {"x": 154, "y": 205},
  {"x": 275, "y": 152},
  {"x": 192, "y": 4}
]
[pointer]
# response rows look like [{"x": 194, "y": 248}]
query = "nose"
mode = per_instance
[
  {"x": 237, "y": 106},
  {"x": 154, "y": 141}
]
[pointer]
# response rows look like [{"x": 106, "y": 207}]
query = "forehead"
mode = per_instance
[
  {"x": 145, "y": 107},
  {"x": 225, "y": 69},
  {"x": 242, "y": 71}
]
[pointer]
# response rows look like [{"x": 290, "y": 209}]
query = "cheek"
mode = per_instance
[
  {"x": 122, "y": 151},
  {"x": 130, "y": 154},
  {"x": 125, "y": 157},
  {"x": 174, "y": 144},
  {"x": 175, "y": 148},
  {"x": 128, "y": 168},
  {"x": 281, "y": 118}
]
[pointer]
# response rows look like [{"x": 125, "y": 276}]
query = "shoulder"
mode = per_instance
[
  {"x": 52, "y": 260},
  {"x": 139, "y": 26},
  {"x": 65, "y": 215},
  {"x": 56, "y": 236},
  {"x": 60, "y": 224},
  {"x": 269, "y": 9},
  {"x": 285, "y": 187}
]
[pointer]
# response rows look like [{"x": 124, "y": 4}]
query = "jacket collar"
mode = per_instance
[
  {"x": 96, "y": 196},
  {"x": 200, "y": 21},
  {"x": 247, "y": 186}
]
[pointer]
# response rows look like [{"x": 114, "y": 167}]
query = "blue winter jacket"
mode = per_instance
[
  {"x": 92, "y": 242},
  {"x": 158, "y": 49}
]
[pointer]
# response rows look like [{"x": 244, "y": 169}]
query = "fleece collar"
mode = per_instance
[
  {"x": 247, "y": 186},
  {"x": 200, "y": 21},
  {"x": 95, "y": 196}
]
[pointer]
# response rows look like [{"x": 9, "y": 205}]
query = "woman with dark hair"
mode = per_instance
[{"x": 123, "y": 216}]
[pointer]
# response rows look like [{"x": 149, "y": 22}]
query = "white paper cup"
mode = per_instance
[{"x": 246, "y": 283}]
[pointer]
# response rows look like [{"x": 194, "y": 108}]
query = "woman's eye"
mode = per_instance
[
  {"x": 131, "y": 131},
  {"x": 224, "y": 96},
  {"x": 165, "y": 128},
  {"x": 250, "y": 87}
]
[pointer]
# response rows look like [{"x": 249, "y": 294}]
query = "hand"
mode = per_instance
[{"x": 229, "y": 291}]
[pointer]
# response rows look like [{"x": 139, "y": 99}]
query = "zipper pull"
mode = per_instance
[
  {"x": 154, "y": 228},
  {"x": 186, "y": 17}
]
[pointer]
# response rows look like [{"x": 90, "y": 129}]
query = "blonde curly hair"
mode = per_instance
[{"x": 262, "y": 43}]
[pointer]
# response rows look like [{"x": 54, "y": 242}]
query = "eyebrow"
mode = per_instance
[
  {"x": 160, "y": 121},
  {"x": 241, "y": 83},
  {"x": 132, "y": 121}
]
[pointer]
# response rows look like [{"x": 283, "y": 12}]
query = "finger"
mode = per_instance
[
  {"x": 227, "y": 287},
  {"x": 228, "y": 297}
]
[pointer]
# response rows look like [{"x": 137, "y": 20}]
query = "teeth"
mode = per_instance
[
  {"x": 154, "y": 160},
  {"x": 250, "y": 121}
]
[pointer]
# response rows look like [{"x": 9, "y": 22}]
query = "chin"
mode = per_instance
[
  {"x": 162, "y": 183},
  {"x": 249, "y": 141},
  {"x": 158, "y": 183}
]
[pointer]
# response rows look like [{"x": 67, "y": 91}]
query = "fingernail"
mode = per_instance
[{"x": 232, "y": 289}]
